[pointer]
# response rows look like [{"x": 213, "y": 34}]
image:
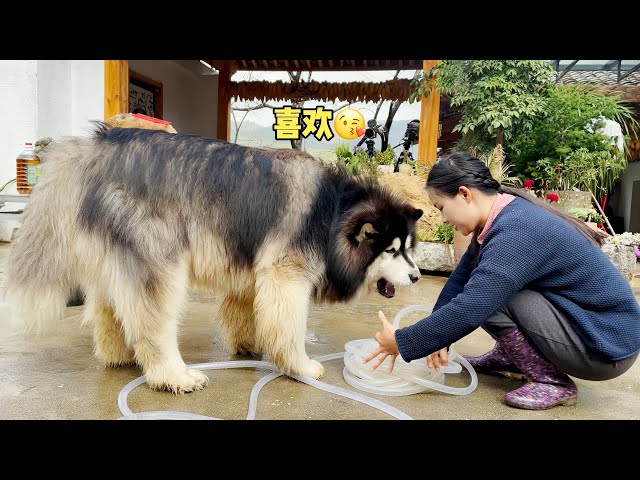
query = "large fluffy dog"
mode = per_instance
[{"x": 135, "y": 217}]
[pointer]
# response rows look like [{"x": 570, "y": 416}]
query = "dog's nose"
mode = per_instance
[{"x": 414, "y": 278}]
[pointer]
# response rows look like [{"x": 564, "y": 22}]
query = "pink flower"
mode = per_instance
[
  {"x": 552, "y": 197},
  {"x": 528, "y": 184}
]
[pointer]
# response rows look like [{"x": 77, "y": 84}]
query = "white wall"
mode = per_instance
[
  {"x": 18, "y": 112},
  {"x": 40, "y": 98},
  {"x": 54, "y": 98},
  {"x": 190, "y": 100},
  {"x": 87, "y": 95},
  {"x": 631, "y": 174}
]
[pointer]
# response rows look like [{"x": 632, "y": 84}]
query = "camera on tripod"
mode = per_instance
[
  {"x": 411, "y": 134},
  {"x": 372, "y": 131},
  {"x": 410, "y": 138}
]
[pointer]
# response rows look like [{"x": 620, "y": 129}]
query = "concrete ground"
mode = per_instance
[{"x": 57, "y": 377}]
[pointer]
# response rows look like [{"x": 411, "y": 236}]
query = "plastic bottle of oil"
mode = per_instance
[{"x": 28, "y": 169}]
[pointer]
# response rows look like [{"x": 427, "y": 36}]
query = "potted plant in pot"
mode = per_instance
[
  {"x": 587, "y": 215},
  {"x": 360, "y": 161}
]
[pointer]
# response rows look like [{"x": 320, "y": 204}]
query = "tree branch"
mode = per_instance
[{"x": 256, "y": 107}]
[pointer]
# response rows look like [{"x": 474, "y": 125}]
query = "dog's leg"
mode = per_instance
[
  {"x": 108, "y": 338},
  {"x": 150, "y": 320},
  {"x": 238, "y": 323},
  {"x": 281, "y": 309}
]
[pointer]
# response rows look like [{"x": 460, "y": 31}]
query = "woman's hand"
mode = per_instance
[
  {"x": 438, "y": 358},
  {"x": 387, "y": 345}
]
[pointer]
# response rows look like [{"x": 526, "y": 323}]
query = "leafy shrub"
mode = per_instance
[{"x": 443, "y": 234}]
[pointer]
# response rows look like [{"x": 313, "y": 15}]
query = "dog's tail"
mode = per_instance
[{"x": 39, "y": 274}]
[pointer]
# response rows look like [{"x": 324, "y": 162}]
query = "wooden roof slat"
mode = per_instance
[
  {"x": 320, "y": 65},
  {"x": 397, "y": 89}
]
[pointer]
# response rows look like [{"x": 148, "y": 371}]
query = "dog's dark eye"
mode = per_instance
[{"x": 391, "y": 250}]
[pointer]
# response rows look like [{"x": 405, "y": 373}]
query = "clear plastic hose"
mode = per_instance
[
  {"x": 406, "y": 379},
  {"x": 173, "y": 415}
]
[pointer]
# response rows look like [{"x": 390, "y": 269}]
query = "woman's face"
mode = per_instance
[{"x": 458, "y": 211}]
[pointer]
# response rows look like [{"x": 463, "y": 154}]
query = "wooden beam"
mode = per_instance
[
  {"x": 224, "y": 102},
  {"x": 628, "y": 72},
  {"x": 566, "y": 70},
  {"x": 116, "y": 87},
  {"x": 429, "y": 119}
]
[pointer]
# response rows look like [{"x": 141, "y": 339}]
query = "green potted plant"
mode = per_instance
[
  {"x": 385, "y": 160},
  {"x": 434, "y": 248},
  {"x": 587, "y": 215}
]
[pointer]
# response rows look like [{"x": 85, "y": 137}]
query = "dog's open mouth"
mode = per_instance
[{"x": 386, "y": 288}]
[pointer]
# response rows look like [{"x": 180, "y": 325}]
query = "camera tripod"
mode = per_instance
[
  {"x": 371, "y": 148},
  {"x": 410, "y": 138},
  {"x": 370, "y": 133}
]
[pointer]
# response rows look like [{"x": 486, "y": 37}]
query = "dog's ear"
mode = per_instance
[
  {"x": 367, "y": 231},
  {"x": 416, "y": 214}
]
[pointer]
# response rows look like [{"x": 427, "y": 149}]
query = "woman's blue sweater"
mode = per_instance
[{"x": 527, "y": 247}]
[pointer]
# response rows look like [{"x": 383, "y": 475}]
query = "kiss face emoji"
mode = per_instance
[{"x": 349, "y": 124}]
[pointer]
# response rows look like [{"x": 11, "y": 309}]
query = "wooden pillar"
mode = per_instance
[
  {"x": 429, "y": 119},
  {"x": 224, "y": 101},
  {"x": 116, "y": 87}
]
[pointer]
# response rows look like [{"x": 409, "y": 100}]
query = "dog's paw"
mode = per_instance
[
  {"x": 185, "y": 381},
  {"x": 312, "y": 368}
]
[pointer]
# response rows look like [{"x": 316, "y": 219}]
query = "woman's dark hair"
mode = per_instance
[{"x": 462, "y": 169}]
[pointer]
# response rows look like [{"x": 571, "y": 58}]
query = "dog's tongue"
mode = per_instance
[{"x": 386, "y": 288}]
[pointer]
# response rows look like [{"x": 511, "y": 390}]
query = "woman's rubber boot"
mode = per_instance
[
  {"x": 547, "y": 385},
  {"x": 495, "y": 362}
]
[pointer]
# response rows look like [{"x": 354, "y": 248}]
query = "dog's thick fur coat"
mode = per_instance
[{"x": 134, "y": 218}]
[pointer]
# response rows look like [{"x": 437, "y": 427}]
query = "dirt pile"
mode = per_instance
[{"x": 412, "y": 188}]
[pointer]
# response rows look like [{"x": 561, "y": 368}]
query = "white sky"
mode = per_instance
[{"x": 264, "y": 116}]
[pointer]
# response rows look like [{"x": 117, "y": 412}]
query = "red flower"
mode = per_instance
[
  {"x": 528, "y": 184},
  {"x": 552, "y": 197}
]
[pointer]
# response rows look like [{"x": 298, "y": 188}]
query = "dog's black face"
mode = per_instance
[
  {"x": 370, "y": 240},
  {"x": 387, "y": 241}
]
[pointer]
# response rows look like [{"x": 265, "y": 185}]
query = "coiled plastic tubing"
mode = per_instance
[{"x": 406, "y": 379}]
